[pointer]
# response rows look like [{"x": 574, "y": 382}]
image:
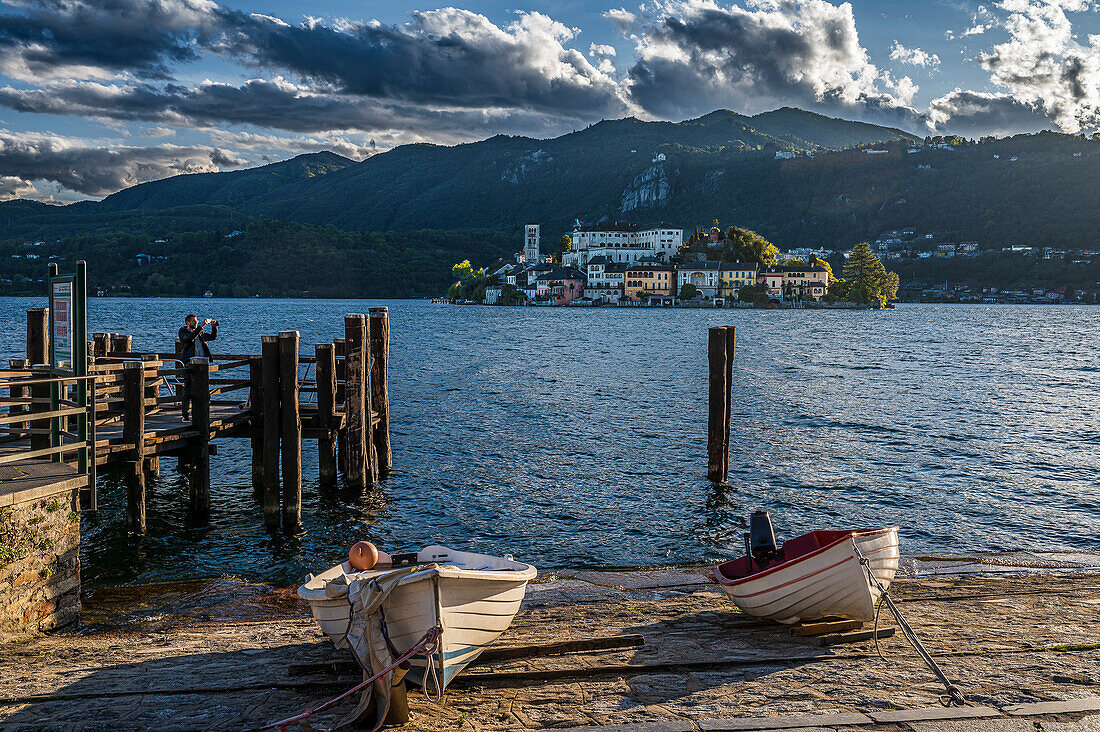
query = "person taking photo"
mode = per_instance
[{"x": 193, "y": 339}]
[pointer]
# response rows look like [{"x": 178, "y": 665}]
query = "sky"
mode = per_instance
[{"x": 99, "y": 95}]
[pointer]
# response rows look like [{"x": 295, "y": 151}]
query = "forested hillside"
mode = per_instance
[
  {"x": 268, "y": 258},
  {"x": 836, "y": 183}
]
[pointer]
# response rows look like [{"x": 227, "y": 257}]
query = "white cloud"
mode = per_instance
[
  {"x": 984, "y": 113},
  {"x": 14, "y": 187},
  {"x": 695, "y": 55},
  {"x": 96, "y": 169},
  {"x": 1043, "y": 64},
  {"x": 913, "y": 56}
]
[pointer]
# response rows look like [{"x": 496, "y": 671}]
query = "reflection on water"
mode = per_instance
[{"x": 577, "y": 437}]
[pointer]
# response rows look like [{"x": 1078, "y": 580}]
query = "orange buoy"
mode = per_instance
[{"x": 363, "y": 556}]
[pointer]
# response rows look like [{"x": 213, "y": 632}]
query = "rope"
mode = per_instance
[
  {"x": 954, "y": 696},
  {"x": 426, "y": 643}
]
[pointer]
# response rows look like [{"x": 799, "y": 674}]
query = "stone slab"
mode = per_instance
[
  {"x": 800, "y": 721},
  {"x": 1066, "y": 706},
  {"x": 1085, "y": 724},
  {"x": 664, "y": 725},
  {"x": 928, "y": 714},
  {"x": 975, "y": 725}
]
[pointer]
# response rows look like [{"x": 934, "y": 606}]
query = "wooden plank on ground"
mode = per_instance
[
  {"x": 854, "y": 637},
  {"x": 821, "y": 627}
]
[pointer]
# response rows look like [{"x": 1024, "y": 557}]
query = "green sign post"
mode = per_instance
[{"x": 68, "y": 324}]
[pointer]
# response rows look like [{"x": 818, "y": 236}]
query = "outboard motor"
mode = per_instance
[{"x": 760, "y": 544}]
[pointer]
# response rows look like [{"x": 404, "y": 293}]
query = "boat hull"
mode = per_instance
[
  {"x": 473, "y": 606},
  {"x": 826, "y": 582}
]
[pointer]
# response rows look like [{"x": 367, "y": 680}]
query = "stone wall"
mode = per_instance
[{"x": 39, "y": 561}]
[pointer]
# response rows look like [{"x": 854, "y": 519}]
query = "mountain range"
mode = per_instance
[{"x": 1026, "y": 189}]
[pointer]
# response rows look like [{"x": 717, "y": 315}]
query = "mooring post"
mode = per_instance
[
  {"x": 99, "y": 344},
  {"x": 200, "y": 421},
  {"x": 355, "y": 399},
  {"x": 121, "y": 343},
  {"x": 17, "y": 393},
  {"x": 338, "y": 348},
  {"x": 38, "y": 336},
  {"x": 292, "y": 429},
  {"x": 719, "y": 355},
  {"x": 256, "y": 433},
  {"x": 150, "y": 363},
  {"x": 269, "y": 400},
  {"x": 326, "y": 412},
  {"x": 379, "y": 386},
  {"x": 40, "y": 402},
  {"x": 133, "y": 432}
]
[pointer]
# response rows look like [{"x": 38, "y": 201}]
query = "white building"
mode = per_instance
[
  {"x": 625, "y": 243},
  {"x": 703, "y": 275},
  {"x": 531, "y": 243},
  {"x": 605, "y": 280}
]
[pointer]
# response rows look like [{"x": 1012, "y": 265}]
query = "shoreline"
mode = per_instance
[{"x": 1007, "y": 640}]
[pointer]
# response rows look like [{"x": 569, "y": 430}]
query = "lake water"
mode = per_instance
[{"x": 577, "y": 437}]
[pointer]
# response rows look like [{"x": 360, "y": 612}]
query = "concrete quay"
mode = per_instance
[{"x": 1024, "y": 648}]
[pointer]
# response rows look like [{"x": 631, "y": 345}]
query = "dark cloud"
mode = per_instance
[
  {"x": 446, "y": 57},
  {"x": 271, "y": 104},
  {"x": 697, "y": 56},
  {"x": 97, "y": 171},
  {"x": 972, "y": 113},
  {"x": 44, "y": 38}
]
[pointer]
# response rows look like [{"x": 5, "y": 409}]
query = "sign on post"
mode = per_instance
[{"x": 61, "y": 322}]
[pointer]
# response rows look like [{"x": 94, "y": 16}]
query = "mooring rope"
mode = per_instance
[
  {"x": 954, "y": 695},
  {"x": 426, "y": 643}
]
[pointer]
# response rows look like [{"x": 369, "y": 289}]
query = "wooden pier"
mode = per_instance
[{"x": 277, "y": 398}]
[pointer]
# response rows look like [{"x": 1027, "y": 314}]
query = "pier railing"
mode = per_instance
[{"x": 41, "y": 418}]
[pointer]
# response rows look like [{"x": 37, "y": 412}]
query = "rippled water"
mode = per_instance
[{"x": 577, "y": 437}]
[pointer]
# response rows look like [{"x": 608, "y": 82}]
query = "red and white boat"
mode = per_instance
[{"x": 813, "y": 576}]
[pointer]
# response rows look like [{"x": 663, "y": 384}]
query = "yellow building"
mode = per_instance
[
  {"x": 648, "y": 280},
  {"x": 732, "y": 276}
]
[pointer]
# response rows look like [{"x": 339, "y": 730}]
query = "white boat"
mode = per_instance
[
  {"x": 816, "y": 575},
  {"x": 473, "y": 597}
]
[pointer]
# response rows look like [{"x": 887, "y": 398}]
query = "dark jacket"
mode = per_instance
[{"x": 193, "y": 342}]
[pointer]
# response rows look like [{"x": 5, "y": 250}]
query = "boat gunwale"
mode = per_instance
[{"x": 727, "y": 581}]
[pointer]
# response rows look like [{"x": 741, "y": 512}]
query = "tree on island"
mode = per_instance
[
  {"x": 688, "y": 291},
  {"x": 565, "y": 244},
  {"x": 470, "y": 285},
  {"x": 742, "y": 245},
  {"x": 510, "y": 295},
  {"x": 865, "y": 279}
]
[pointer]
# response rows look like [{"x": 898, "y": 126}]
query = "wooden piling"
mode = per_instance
[
  {"x": 40, "y": 402},
  {"x": 121, "y": 344},
  {"x": 292, "y": 429},
  {"x": 326, "y": 412},
  {"x": 133, "y": 432},
  {"x": 379, "y": 387},
  {"x": 200, "y": 421},
  {"x": 256, "y": 431},
  {"x": 269, "y": 422},
  {"x": 720, "y": 346},
  {"x": 355, "y": 400},
  {"x": 339, "y": 350},
  {"x": 17, "y": 393},
  {"x": 100, "y": 344},
  {"x": 38, "y": 336}
]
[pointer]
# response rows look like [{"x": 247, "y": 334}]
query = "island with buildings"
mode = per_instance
[{"x": 630, "y": 265}]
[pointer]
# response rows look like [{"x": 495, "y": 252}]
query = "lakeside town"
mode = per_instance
[{"x": 626, "y": 264}]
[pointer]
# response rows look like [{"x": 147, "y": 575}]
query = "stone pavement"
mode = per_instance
[{"x": 214, "y": 655}]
